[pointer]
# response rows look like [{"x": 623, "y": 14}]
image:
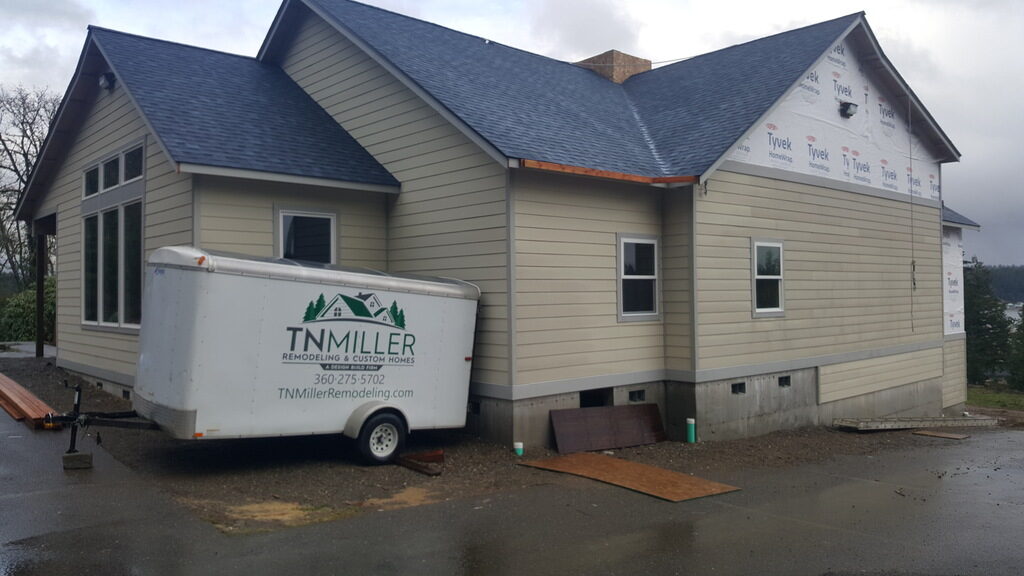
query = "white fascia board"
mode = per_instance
[
  {"x": 283, "y": 178},
  {"x": 771, "y": 109},
  {"x": 416, "y": 89}
]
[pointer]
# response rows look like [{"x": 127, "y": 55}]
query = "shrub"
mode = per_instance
[{"x": 18, "y": 314}]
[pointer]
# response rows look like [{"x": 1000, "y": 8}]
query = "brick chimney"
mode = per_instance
[{"x": 615, "y": 65}]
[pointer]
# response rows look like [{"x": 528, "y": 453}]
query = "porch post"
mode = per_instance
[{"x": 41, "y": 260}]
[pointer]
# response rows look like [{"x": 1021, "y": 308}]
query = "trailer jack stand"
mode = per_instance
[{"x": 75, "y": 460}]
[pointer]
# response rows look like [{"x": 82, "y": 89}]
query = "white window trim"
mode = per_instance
[
  {"x": 780, "y": 311},
  {"x": 120, "y": 170},
  {"x": 621, "y": 240},
  {"x": 332, "y": 216},
  {"x": 100, "y": 279}
]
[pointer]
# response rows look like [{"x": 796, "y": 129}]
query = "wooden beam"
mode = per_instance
[{"x": 581, "y": 171}]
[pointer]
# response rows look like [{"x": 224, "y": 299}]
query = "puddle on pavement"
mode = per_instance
[{"x": 411, "y": 496}]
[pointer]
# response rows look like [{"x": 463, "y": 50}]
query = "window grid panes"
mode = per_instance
[
  {"x": 112, "y": 263},
  {"x": 638, "y": 277},
  {"x": 126, "y": 167},
  {"x": 767, "y": 276}
]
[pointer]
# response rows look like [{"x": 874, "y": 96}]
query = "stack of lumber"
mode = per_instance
[{"x": 22, "y": 404}]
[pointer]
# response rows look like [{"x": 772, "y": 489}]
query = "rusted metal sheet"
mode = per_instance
[
  {"x": 606, "y": 427},
  {"x": 430, "y": 463},
  {"x": 658, "y": 482}
]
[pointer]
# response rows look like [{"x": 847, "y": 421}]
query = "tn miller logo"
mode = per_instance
[{"x": 360, "y": 308}]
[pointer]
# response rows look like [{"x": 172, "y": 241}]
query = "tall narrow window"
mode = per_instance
[
  {"x": 308, "y": 236},
  {"x": 638, "y": 278},
  {"x": 112, "y": 266},
  {"x": 767, "y": 269},
  {"x": 110, "y": 282},
  {"x": 91, "y": 265},
  {"x": 132, "y": 263}
]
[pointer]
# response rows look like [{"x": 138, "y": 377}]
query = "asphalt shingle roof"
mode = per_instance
[
  {"x": 218, "y": 109},
  {"x": 954, "y": 217},
  {"x": 672, "y": 121}
]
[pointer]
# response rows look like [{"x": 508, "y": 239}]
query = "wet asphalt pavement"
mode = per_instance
[{"x": 950, "y": 508}]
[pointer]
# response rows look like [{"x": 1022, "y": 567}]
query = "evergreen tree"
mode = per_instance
[
  {"x": 397, "y": 314},
  {"x": 1015, "y": 364},
  {"x": 320, "y": 305},
  {"x": 988, "y": 328},
  {"x": 310, "y": 312}
]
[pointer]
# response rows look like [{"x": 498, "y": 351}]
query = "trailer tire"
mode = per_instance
[{"x": 382, "y": 437}]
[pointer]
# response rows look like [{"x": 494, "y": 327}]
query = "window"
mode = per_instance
[
  {"x": 112, "y": 263},
  {"x": 133, "y": 164},
  {"x": 638, "y": 278},
  {"x": 92, "y": 181},
  {"x": 767, "y": 275},
  {"x": 111, "y": 173},
  {"x": 308, "y": 236},
  {"x": 122, "y": 169}
]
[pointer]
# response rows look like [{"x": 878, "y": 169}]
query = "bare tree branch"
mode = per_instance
[{"x": 25, "y": 118}]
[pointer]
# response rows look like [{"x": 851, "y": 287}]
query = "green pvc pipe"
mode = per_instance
[{"x": 691, "y": 430}]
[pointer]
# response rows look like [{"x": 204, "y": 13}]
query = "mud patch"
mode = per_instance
[
  {"x": 263, "y": 516},
  {"x": 408, "y": 498}
]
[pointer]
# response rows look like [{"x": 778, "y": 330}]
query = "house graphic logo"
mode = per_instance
[{"x": 360, "y": 308}]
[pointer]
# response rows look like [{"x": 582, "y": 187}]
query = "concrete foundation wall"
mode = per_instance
[{"x": 765, "y": 406}]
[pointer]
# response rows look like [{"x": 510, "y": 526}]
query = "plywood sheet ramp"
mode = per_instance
[
  {"x": 911, "y": 423},
  {"x": 22, "y": 404},
  {"x": 665, "y": 484}
]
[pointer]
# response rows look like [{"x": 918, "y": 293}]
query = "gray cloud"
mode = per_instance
[
  {"x": 50, "y": 14},
  {"x": 575, "y": 30}
]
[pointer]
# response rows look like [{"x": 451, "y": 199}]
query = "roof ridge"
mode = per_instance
[
  {"x": 754, "y": 40},
  {"x": 93, "y": 27}
]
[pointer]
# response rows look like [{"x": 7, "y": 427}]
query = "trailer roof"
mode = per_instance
[{"x": 315, "y": 272}]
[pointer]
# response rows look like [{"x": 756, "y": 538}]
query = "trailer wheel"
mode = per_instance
[{"x": 382, "y": 437}]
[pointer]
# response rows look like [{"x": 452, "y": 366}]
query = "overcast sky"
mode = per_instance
[{"x": 963, "y": 58}]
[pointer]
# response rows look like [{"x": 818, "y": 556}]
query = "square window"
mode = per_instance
[
  {"x": 785, "y": 381},
  {"x": 92, "y": 181},
  {"x": 638, "y": 277},
  {"x": 637, "y": 395},
  {"x": 767, "y": 271},
  {"x": 308, "y": 237},
  {"x": 133, "y": 164},
  {"x": 739, "y": 388},
  {"x": 111, "y": 173}
]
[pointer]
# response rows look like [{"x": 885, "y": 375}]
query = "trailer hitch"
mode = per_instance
[{"x": 73, "y": 459}]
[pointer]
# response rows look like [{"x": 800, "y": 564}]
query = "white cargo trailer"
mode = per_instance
[{"x": 239, "y": 347}]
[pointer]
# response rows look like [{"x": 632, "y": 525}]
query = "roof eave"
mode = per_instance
[
  {"x": 210, "y": 170},
  {"x": 667, "y": 181},
  {"x": 961, "y": 225}
]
